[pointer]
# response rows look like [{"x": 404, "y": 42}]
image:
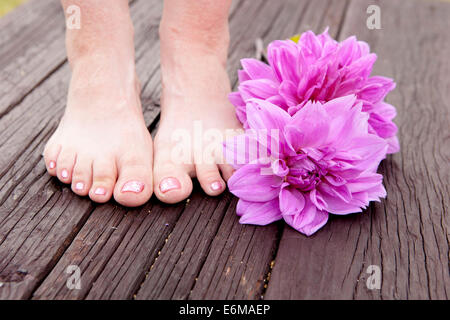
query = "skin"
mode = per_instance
[{"x": 102, "y": 146}]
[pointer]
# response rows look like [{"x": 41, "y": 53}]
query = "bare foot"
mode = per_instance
[
  {"x": 102, "y": 146},
  {"x": 195, "y": 93}
]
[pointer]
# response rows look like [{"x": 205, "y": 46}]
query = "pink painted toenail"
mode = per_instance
[
  {"x": 216, "y": 186},
  {"x": 168, "y": 184},
  {"x": 52, "y": 165},
  {"x": 133, "y": 186},
  {"x": 100, "y": 191},
  {"x": 64, "y": 174},
  {"x": 79, "y": 186}
]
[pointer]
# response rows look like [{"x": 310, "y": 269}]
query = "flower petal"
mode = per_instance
[
  {"x": 257, "y": 69},
  {"x": 376, "y": 88},
  {"x": 245, "y": 148},
  {"x": 336, "y": 204},
  {"x": 258, "y": 213},
  {"x": 260, "y": 89},
  {"x": 252, "y": 184},
  {"x": 265, "y": 115},
  {"x": 291, "y": 200},
  {"x": 313, "y": 122},
  {"x": 309, "y": 220}
]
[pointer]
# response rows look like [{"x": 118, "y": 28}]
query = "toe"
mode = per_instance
[
  {"x": 134, "y": 186},
  {"x": 104, "y": 176},
  {"x": 64, "y": 165},
  {"x": 82, "y": 175},
  {"x": 51, "y": 153},
  {"x": 209, "y": 177},
  {"x": 171, "y": 182}
]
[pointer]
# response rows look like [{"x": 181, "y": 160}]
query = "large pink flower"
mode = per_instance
[
  {"x": 318, "y": 68},
  {"x": 320, "y": 160}
]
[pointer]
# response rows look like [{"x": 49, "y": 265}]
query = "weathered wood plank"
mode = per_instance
[
  {"x": 108, "y": 286},
  {"x": 43, "y": 226},
  {"x": 407, "y": 234},
  {"x": 186, "y": 249},
  {"x": 252, "y": 272},
  {"x": 19, "y": 25},
  {"x": 240, "y": 256},
  {"x": 109, "y": 280},
  {"x": 167, "y": 279},
  {"x": 116, "y": 241},
  {"x": 103, "y": 290},
  {"x": 30, "y": 49},
  {"x": 24, "y": 183},
  {"x": 238, "y": 261}
]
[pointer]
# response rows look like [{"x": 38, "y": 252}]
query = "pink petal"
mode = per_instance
[
  {"x": 243, "y": 76},
  {"x": 260, "y": 89},
  {"x": 265, "y": 115},
  {"x": 383, "y": 127},
  {"x": 336, "y": 204},
  {"x": 236, "y": 99},
  {"x": 258, "y": 213},
  {"x": 249, "y": 184},
  {"x": 309, "y": 220},
  {"x": 243, "y": 149},
  {"x": 393, "y": 145},
  {"x": 288, "y": 91},
  {"x": 372, "y": 149},
  {"x": 365, "y": 181},
  {"x": 313, "y": 122},
  {"x": 283, "y": 57},
  {"x": 257, "y": 69},
  {"x": 291, "y": 200},
  {"x": 376, "y": 88}
]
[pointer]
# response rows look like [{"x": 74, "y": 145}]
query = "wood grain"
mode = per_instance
[
  {"x": 407, "y": 234},
  {"x": 24, "y": 183},
  {"x": 197, "y": 249}
]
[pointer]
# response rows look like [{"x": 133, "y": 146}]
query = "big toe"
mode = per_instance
[
  {"x": 171, "y": 181},
  {"x": 134, "y": 186}
]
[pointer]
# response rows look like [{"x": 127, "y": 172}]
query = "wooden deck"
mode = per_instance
[{"x": 197, "y": 249}]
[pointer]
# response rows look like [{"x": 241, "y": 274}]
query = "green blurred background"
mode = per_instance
[{"x": 8, "y": 5}]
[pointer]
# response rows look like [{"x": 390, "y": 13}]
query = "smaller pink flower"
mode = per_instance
[{"x": 318, "y": 69}]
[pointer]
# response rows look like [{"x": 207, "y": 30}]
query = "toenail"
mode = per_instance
[
  {"x": 168, "y": 184},
  {"x": 216, "y": 186},
  {"x": 133, "y": 186},
  {"x": 100, "y": 191},
  {"x": 64, "y": 174},
  {"x": 52, "y": 165},
  {"x": 79, "y": 186}
]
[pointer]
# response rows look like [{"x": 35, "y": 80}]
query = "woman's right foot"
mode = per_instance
[{"x": 102, "y": 146}]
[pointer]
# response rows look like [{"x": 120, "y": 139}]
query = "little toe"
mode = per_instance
[
  {"x": 135, "y": 185},
  {"x": 104, "y": 176},
  {"x": 209, "y": 177},
  {"x": 82, "y": 176},
  {"x": 64, "y": 165},
  {"x": 51, "y": 153}
]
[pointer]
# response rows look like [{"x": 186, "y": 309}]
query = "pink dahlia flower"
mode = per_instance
[
  {"x": 321, "y": 160},
  {"x": 318, "y": 68}
]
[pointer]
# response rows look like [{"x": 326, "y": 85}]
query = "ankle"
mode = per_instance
[
  {"x": 105, "y": 78},
  {"x": 195, "y": 40}
]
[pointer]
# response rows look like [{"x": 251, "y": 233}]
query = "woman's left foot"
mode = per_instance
[{"x": 194, "y": 109}]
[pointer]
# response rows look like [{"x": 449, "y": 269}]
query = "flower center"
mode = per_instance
[{"x": 305, "y": 173}]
